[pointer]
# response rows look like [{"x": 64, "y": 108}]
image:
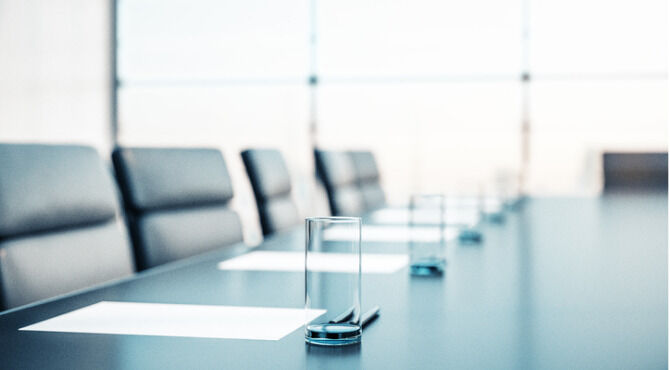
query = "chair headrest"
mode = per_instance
[
  {"x": 365, "y": 166},
  {"x": 336, "y": 168},
  {"x": 160, "y": 178},
  {"x": 50, "y": 187},
  {"x": 267, "y": 172}
]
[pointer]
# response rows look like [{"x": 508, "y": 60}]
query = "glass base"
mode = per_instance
[
  {"x": 470, "y": 236},
  {"x": 513, "y": 204},
  {"x": 495, "y": 217},
  {"x": 430, "y": 267},
  {"x": 333, "y": 334}
]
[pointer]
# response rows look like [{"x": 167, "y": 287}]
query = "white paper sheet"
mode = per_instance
[
  {"x": 326, "y": 262},
  {"x": 465, "y": 202},
  {"x": 473, "y": 202},
  {"x": 386, "y": 233},
  {"x": 401, "y": 216},
  {"x": 180, "y": 320}
]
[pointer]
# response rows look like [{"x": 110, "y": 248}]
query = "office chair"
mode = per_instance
[
  {"x": 635, "y": 171},
  {"x": 368, "y": 180},
  {"x": 176, "y": 202},
  {"x": 59, "y": 229},
  {"x": 336, "y": 171},
  {"x": 271, "y": 183}
]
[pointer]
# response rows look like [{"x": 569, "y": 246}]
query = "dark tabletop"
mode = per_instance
[{"x": 563, "y": 283}]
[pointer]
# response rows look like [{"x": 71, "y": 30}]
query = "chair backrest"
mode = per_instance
[
  {"x": 627, "y": 171},
  {"x": 336, "y": 170},
  {"x": 271, "y": 183},
  {"x": 59, "y": 224},
  {"x": 176, "y": 201},
  {"x": 368, "y": 179}
]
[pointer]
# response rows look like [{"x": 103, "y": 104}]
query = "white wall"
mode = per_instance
[{"x": 54, "y": 71}]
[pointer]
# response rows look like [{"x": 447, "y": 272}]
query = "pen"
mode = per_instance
[
  {"x": 367, "y": 318},
  {"x": 370, "y": 316},
  {"x": 345, "y": 316}
]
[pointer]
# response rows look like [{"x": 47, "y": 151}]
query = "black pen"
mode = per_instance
[
  {"x": 345, "y": 316},
  {"x": 370, "y": 316},
  {"x": 367, "y": 318}
]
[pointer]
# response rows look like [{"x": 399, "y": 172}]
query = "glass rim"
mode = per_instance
[{"x": 340, "y": 219}]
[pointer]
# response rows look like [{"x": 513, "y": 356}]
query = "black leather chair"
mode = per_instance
[
  {"x": 176, "y": 201},
  {"x": 59, "y": 224},
  {"x": 271, "y": 184},
  {"x": 635, "y": 171},
  {"x": 336, "y": 171},
  {"x": 367, "y": 177}
]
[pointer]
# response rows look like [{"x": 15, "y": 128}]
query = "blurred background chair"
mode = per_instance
[
  {"x": 368, "y": 179},
  {"x": 176, "y": 201},
  {"x": 629, "y": 171},
  {"x": 59, "y": 229},
  {"x": 337, "y": 172},
  {"x": 271, "y": 184}
]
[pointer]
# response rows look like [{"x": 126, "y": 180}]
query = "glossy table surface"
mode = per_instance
[{"x": 563, "y": 283}]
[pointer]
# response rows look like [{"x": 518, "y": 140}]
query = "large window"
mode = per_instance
[{"x": 434, "y": 87}]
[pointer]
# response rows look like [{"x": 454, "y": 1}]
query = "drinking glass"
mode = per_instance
[
  {"x": 427, "y": 243},
  {"x": 333, "y": 243}
]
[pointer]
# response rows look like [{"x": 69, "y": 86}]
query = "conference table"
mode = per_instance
[{"x": 562, "y": 283}]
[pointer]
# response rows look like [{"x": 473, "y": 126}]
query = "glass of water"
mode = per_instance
[
  {"x": 427, "y": 228},
  {"x": 333, "y": 279}
]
